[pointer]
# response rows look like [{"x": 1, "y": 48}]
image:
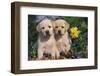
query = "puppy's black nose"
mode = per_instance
[
  {"x": 59, "y": 31},
  {"x": 47, "y": 32}
]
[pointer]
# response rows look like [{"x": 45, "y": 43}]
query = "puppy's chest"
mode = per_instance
[
  {"x": 61, "y": 43},
  {"x": 48, "y": 44}
]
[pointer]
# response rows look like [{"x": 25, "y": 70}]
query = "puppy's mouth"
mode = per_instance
[
  {"x": 48, "y": 33},
  {"x": 59, "y": 32}
]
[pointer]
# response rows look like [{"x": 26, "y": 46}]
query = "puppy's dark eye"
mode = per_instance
[
  {"x": 42, "y": 27},
  {"x": 62, "y": 26},
  {"x": 49, "y": 26},
  {"x": 56, "y": 26}
]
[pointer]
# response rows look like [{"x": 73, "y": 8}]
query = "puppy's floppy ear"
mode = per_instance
[
  {"x": 67, "y": 25},
  {"x": 38, "y": 28}
]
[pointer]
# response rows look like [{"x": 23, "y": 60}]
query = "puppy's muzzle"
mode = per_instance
[
  {"x": 47, "y": 32},
  {"x": 59, "y": 32}
]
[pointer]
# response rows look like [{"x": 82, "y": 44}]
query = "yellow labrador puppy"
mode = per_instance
[
  {"x": 46, "y": 40},
  {"x": 61, "y": 35}
]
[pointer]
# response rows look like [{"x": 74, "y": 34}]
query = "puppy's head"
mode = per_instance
[
  {"x": 60, "y": 27},
  {"x": 45, "y": 27}
]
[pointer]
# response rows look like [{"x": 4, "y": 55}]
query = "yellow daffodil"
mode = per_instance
[{"x": 74, "y": 32}]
